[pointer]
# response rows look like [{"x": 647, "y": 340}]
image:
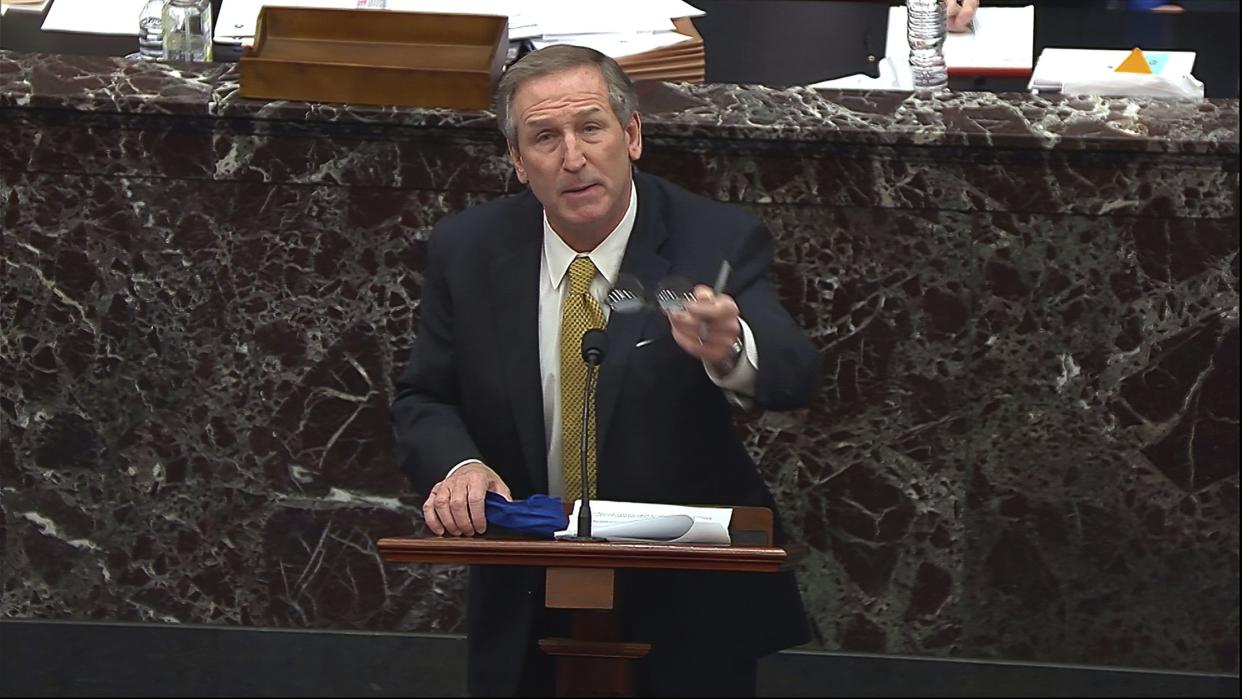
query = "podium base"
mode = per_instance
[{"x": 593, "y": 668}]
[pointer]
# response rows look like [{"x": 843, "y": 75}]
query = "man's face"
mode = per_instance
[{"x": 574, "y": 152}]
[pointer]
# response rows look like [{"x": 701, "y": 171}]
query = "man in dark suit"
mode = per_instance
[{"x": 508, "y": 287}]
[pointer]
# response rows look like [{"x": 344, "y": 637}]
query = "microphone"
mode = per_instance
[{"x": 594, "y": 349}]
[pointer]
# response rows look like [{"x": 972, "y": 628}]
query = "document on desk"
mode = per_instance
[
  {"x": 237, "y": 17},
  {"x": 619, "y": 31},
  {"x": 650, "y": 523},
  {"x": 1094, "y": 72},
  {"x": 118, "y": 17},
  {"x": 617, "y": 45}
]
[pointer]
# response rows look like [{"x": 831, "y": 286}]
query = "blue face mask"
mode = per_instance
[{"x": 539, "y": 515}]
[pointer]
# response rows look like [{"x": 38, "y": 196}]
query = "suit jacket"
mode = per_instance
[{"x": 665, "y": 431}]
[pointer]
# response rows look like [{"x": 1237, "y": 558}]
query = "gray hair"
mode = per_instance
[{"x": 555, "y": 59}]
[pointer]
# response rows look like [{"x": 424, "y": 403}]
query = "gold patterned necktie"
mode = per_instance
[{"x": 579, "y": 313}]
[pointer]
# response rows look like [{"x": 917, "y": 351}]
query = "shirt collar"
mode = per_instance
[{"x": 606, "y": 256}]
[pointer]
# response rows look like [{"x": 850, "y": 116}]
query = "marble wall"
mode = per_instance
[{"x": 1025, "y": 446}]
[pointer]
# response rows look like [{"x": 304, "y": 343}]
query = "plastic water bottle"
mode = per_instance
[
  {"x": 926, "y": 29},
  {"x": 151, "y": 31},
  {"x": 187, "y": 30}
]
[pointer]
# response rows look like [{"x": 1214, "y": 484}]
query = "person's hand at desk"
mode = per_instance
[
  {"x": 960, "y": 14},
  {"x": 455, "y": 504}
]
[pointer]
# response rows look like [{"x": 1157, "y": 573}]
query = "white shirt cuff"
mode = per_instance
[
  {"x": 740, "y": 382},
  {"x": 463, "y": 463}
]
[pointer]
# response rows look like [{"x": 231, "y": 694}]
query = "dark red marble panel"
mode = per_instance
[{"x": 1025, "y": 445}]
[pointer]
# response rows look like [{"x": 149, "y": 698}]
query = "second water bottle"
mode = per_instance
[
  {"x": 926, "y": 30},
  {"x": 187, "y": 30}
]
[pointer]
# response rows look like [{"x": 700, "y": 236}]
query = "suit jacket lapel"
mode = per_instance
[
  {"x": 643, "y": 260},
  {"x": 514, "y": 274}
]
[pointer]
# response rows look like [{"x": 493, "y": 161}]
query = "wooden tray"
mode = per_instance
[{"x": 379, "y": 57}]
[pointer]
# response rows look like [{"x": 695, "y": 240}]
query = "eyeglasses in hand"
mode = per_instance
[{"x": 629, "y": 295}]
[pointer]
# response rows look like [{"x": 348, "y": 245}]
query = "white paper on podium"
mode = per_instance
[
  {"x": 644, "y": 522},
  {"x": 894, "y": 75},
  {"x": 118, "y": 17}
]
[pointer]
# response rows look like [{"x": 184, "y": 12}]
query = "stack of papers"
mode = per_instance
[
  {"x": 646, "y": 523},
  {"x": 680, "y": 60},
  {"x": 1094, "y": 72},
  {"x": 643, "y": 32}
]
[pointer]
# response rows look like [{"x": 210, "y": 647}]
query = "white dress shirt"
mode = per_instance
[{"x": 607, "y": 257}]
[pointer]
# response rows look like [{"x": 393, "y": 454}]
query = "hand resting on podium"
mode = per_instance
[{"x": 455, "y": 504}]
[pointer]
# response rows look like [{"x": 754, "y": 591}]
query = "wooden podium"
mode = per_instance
[{"x": 581, "y": 577}]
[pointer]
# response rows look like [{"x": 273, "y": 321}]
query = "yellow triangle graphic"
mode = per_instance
[{"x": 1136, "y": 62}]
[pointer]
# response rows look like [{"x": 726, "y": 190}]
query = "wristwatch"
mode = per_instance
[{"x": 729, "y": 363}]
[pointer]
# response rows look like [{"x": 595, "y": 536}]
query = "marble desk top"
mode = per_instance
[{"x": 713, "y": 111}]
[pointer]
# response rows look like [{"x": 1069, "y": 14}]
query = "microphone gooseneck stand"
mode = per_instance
[{"x": 594, "y": 347}]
